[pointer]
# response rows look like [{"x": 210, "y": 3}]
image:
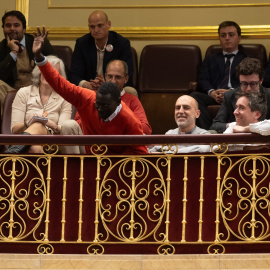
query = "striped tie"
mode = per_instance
[
  {"x": 20, "y": 47},
  {"x": 225, "y": 80}
]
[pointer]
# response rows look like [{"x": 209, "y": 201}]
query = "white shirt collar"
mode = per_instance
[
  {"x": 102, "y": 50},
  {"x": 235, "y": 52},
  {"x": 114, "y": 114},
  {"x": 122, "y": 92},
  {"x": 23, "y": 41}
]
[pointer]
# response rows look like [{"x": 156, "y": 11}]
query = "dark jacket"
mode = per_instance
[
  {"x": 8, "y": 70},
  {"x": 225, "y": 114},
  {"x": 84, "y": 58},
  {"x": 212, "y": 71}
]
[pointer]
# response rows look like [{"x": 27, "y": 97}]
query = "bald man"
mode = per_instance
[
  {"x": 185, "y": 114},
  {"x": 95, "y": 50}
]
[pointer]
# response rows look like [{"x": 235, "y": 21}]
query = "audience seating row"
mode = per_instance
[
  {"x": 168, "y": 71},
  {"x": 165, "y": 73}
]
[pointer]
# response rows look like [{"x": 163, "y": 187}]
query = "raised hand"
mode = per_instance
[{"x": 39, "y": 42}]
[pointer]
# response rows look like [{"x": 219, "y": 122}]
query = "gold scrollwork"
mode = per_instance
[
  {"x": 22, "y": 198},
  {"x": 45, "y": 249},
  {"x": 245, "y": 199},
  {"x": 169, "y": 149},
  {"x": 219, "y": 149},
  {"x": 216, "y": 249},
  {"x": 95, "y": 249},
  {"x": 129, "y": 218},
  {"x": 166, "y": 249},
  {"x": 50, "y": 149},
  {"x": 99, "y": 150}
]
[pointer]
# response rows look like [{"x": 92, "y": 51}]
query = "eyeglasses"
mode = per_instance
[
  {"x": 252, "y": 85},
  {"x": 109, "y": 77}
]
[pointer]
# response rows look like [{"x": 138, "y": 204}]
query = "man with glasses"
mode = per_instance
[
  {"x": 95, "y": 50},
  {"x": 117, "y": 73},
  {"x": 251, "y": 74}
]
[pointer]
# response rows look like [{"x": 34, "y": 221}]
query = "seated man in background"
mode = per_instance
[
  {"x": 102, "y": 113},
  {"x": 251, "y": 74},
  {"x": 185, "y": 114},
  {"x": 16, "y": 56},
  {"x": 95, "y": 50},
  {"x": 217, "y": 74},
  {"x": 250, "y": 109},
  {"x": 116, "y": 72}
]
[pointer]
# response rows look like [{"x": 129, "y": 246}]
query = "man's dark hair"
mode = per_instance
[
  {"x": 16, "y": 14},
  {"x": 249, "y": 66},
  {"x": 256, "y": 101},
  {"x": 230, "y": 23},
  {"x": 110, "y": 88}
]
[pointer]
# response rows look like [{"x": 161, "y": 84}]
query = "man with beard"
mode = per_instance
[
  {"x": 16, "y": 56},
  {"x": 185, "y": 114}
]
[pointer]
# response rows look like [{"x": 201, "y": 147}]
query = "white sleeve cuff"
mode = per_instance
[
  {"x": 42, "y": 63},
  {"x": 82, "y": 82},
  {"x": 209, "y": 91}
]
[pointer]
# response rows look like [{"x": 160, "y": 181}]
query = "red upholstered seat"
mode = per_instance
[
  {"x": 165, "y": 74},
  {"x": 6, "y": 120},
  {"x": 64, "y": 53},
  {"x": 135, "y": 67}
]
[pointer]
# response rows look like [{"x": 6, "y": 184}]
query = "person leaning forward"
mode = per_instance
[
  {"x": 102, "y": 113},
  {"x": 16, "y": 56},
  {"x": 251, "y": 74},
  {"x": 250, "y": 115}
]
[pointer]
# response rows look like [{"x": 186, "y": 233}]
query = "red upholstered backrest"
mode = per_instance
[
  {"x": 6, "y": 120},
  {"x": 135, "y": 67},
  {"x": 168, "y": 68},
  {"x": 64, "y": 53}
]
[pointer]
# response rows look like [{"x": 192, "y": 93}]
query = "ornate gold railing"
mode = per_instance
[{"x": 165, "y": 203}]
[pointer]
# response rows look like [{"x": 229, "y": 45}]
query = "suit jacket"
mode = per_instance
[
  {"x": 8, "y": 70},
  {"x": 84, "y": 58},
  {"x": 212, "y": 71},
  {"x": 225, "y": 114}
]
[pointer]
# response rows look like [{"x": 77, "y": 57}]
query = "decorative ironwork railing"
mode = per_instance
[{"x": 158, "y": 203}]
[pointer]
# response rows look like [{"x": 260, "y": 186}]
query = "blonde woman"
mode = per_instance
[{"x": 38, "y": 100}]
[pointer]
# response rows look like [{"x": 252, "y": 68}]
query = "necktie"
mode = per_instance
[
  {"x": 225, "y": 80},
  {"x": 20, "y": 47}
]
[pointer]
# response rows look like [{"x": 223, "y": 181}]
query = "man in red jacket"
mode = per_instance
[
  {"x": 102, "y": 113},
  {"x": 116, "y": 72}
]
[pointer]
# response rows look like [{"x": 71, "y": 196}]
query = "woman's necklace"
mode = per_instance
[{"x": 45, "y": 113}]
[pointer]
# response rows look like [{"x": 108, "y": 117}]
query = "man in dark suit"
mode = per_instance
[
  {"x": 95, "y": 50},
  {"x": 217, "y": 74},
  {"x": 250, "y": 73},
  {"x": 16, "y": 56}
]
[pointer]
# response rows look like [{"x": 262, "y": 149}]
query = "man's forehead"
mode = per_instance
[
  {"x": 14, "y": 19},
  {"x": 242, "y": 101},
  {"x": 116, "y": 66},
  {"x": 227, "y": 29},
  {"x": 97, "y": 18},
  {"x": 184, "y": 101},
  {"x": 251, "y": 77}
]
